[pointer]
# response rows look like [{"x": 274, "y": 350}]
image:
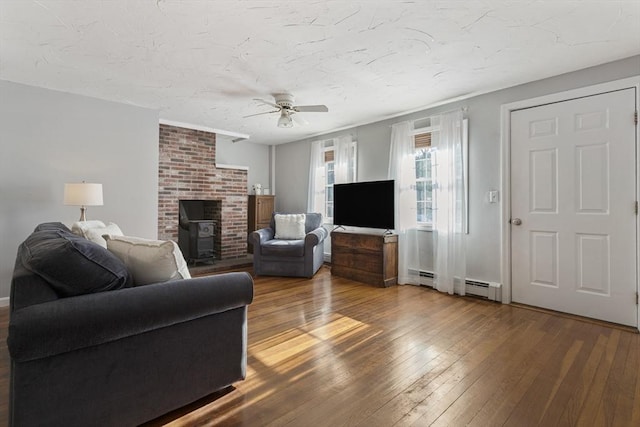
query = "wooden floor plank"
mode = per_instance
[
  {"x": 332, "y": 352},
  {"x": 591, "y": 412},
  {"x": 384, "y": 385},
  {"x": 614, "y": 389},
  {"x": 628, "y": 380},
  {"x": 633, "y": 367},
  {"x": 487, "y": 391},
  {"x": 582, "y": 385},
  {"x": 435, "y": 409},
  {"x": 408, "y": 401}
]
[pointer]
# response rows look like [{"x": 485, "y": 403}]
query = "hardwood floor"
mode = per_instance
[{"x": 333, "y": 352}]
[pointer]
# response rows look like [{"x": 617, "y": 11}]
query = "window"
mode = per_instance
[
  {"x": 424, "y": 178},
  {"x": 334, "y": 173},
  {"x": 330, "y": 179},
  {"x": 426, "y": 135},
  {"x": 425, "y": 158}
]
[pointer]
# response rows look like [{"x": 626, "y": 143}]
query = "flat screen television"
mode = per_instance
[{"x": 364, "y": 204}]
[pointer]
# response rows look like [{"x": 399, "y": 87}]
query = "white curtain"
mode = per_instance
[
  {"x": 450, "y": 210},
  {"x": 402, "y": 169},
  {"x": 343, "y": 168},
  {"x": 343, "y": 160},
  {"x": 315, "y": 201}
]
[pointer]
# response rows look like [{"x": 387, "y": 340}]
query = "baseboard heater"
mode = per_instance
[{"x": 489, "y": 290}]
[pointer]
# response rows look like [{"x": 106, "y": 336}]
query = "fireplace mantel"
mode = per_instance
[{"x": 223, "y": 166}]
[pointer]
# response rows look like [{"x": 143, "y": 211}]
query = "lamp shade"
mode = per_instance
[
  {"x": 83, "y": 194},
  {"x": 285, "y": 120}
]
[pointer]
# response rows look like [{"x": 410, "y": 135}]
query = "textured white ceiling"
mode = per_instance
[{"x": 203, "y": 62}]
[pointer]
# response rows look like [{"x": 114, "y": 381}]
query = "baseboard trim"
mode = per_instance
[
  {"x": 489, "y": 290},
  {"x": 4, "y": 302}
]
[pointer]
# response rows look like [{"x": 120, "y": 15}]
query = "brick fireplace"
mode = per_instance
[{"x": 187, "y": 171}]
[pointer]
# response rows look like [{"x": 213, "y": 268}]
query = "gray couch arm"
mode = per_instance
[
  {"x": 68, "y": 324},
  {"x": 314, "y": 237},
  {"x": 258, "y": 237}
]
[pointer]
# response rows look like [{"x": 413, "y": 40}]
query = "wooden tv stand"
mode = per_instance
[{"x": 364, "y": 257}]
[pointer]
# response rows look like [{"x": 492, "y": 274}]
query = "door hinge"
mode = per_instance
[
  {"x": 635, "y": 209},
  {"x": 635, "y": 117},
  {"x": 637, "y": 298}
]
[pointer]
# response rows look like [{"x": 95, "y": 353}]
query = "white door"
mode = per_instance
[{"x": 573, "y": 219}]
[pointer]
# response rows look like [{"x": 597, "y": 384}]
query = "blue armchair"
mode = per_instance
[{"x": 289, "y": 257}]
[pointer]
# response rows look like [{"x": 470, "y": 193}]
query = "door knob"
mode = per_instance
[{"x": 516, "y": 221}]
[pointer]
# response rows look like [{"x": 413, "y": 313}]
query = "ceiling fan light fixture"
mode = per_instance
[
  {"x": 284, "y": 105},
  {"x": 285, "y": 120}
]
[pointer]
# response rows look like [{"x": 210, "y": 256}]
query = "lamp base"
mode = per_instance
[{"x": 83, "y": 216}]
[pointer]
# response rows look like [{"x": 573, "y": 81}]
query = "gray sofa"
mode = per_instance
[
  {"x": 88, "y": 349},
  {"x": 297, "y": 258}
]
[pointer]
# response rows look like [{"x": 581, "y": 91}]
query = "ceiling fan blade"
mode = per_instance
[
  {"x": 259, "y": 114},
  {"x": 268, "y": 103},
  {"x": 311, "y": 108},
  {"x": 299, "y": 119}
]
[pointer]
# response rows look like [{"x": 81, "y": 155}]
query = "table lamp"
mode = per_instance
[{"x": 83, "y": 194}]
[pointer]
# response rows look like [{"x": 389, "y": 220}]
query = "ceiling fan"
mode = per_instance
[{"x": 284, "y": 105}]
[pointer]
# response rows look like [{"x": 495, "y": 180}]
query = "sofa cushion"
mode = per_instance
[
  {"x": 149, "y": 261},
  {"x": 290, "y": 226},
  {"x": 72, "y": 265},
  {"x": 283, "y": 248}
]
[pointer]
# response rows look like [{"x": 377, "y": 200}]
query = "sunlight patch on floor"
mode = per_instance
[{"x": 293, "y": 347}]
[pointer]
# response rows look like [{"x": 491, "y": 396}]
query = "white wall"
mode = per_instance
[
  {"x": 48, "y": 138},
  {"x": 292, "y": 176},
  {"x": 245, "y": 153},
  {"x": 483, "y": 243}
]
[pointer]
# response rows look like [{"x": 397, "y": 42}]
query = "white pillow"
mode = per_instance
[
  {"x": 290, "y": 227},
  {"x": 149, "y": 261},
  {"x": 94, "y": 229},
  {"x": 81, "y": 227},
  {"x": 95, "y": 234}
]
